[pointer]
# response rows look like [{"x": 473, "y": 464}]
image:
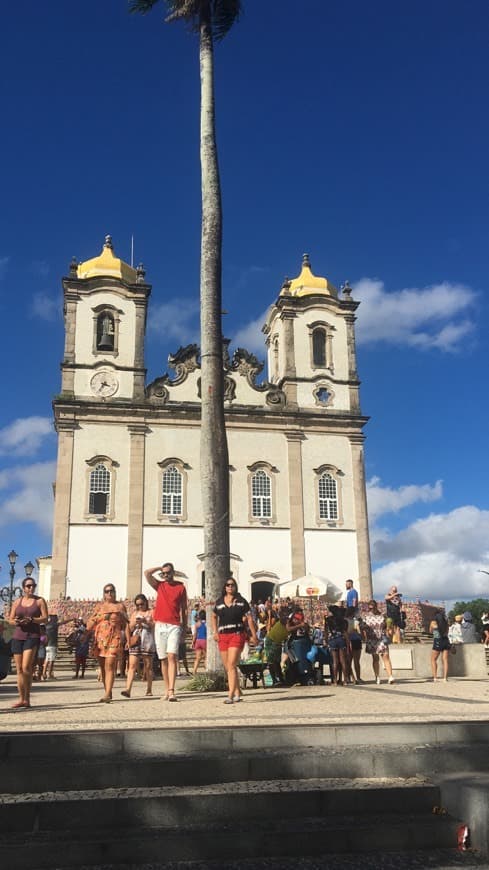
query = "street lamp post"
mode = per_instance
[{"x": 9, "y": 593}]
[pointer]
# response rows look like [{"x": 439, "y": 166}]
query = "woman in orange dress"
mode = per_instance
[{"x": 107, "y": 624}]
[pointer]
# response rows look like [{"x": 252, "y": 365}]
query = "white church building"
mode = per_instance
[{"x": 127, "y": 492}]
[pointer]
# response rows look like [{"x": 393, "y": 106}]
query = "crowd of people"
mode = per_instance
[{"x": 295, "y": 648}]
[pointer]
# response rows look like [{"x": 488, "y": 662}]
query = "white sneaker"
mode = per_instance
[
  {"x": 378, "y": 681},
  {"x": 391, "y": 680}
]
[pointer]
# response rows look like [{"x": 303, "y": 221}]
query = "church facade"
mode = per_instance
[{"x": 127, "y": 492}]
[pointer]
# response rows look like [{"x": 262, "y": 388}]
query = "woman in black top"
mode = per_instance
[{"x": 230, "y": 614}]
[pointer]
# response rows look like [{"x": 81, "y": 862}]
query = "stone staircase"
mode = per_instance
[
  {"x": 414, "y": 635},
  {"x": 171, "y": 797}
]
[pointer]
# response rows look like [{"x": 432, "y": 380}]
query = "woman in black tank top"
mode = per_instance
[{"x": 27, "y": 613}]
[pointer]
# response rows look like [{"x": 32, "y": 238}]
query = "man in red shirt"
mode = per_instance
[{"x": 170, "y": 618}]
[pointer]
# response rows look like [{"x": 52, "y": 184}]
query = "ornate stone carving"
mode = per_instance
[
  {"x": 249, "y": 366},
  {"x": 229, "y": 389},
  {"x": 244, "y": 363},
  {"x": 157, "y": 392},
  {"x": 275, "y": 397},
  {"x": 184, "y": 361}
]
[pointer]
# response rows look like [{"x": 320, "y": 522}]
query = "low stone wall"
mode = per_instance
[
  {"x": 411, "y": 661},
  {"x": 418, "y": 614}
]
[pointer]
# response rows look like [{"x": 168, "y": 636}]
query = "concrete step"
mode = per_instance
[
  {"x": 186, "y": 769},
  {"x": 233, "y": 786},
  {"x": 212, "y": 804},
  {"x": 151, "y": 758},
  {"x": 428, "y": 859},
  {"x": 224, "y": 842}
]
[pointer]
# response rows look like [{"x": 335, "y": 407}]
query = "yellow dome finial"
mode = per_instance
[
  {"x": 107, "y": 265},
  {"x": 307, "y": 284}
]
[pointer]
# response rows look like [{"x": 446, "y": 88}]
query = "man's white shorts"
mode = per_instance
[
  {"x": 167, "y": 638},
  {"x": 51, "y": 652}
]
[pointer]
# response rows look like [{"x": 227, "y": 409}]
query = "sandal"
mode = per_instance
[
  {"x": 229, "y": 701},
  {"x": 149, "y": 694},
  {"x": 125, "y": 693},
  {"x": 172, "y": 697}
]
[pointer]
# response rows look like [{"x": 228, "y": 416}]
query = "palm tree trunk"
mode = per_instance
[{"x": 214, "y": 461}]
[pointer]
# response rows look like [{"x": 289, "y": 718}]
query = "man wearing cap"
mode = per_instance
[{"x": 469, "y": 634}]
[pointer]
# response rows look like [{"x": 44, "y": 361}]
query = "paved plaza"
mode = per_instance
[{"x": 67, "y": 704}]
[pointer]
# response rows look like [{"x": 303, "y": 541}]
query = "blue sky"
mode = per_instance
[{"x": 357, "y": 132}]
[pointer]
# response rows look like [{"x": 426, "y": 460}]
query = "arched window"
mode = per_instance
[
  {"x": 261, "y": 495},
  {"x": 105, "y": 331},
  {"x": 319, "y": 347},
  {"x": 99, "y": 490},
  {"x": 172, "y": 498},
  {"x": 106, "y": 323},
  {"x": 328, "y": 497},
  {"x": 262, "y": 500},
  {"x": 172, "y": 492}
]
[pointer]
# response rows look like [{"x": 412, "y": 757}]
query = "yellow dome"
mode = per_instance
[
  {"x": 307, "y": 284},
  {"x": 106, "y": 264}
]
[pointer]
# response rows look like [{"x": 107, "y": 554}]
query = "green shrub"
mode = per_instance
[{"x": 211, "y": 681}]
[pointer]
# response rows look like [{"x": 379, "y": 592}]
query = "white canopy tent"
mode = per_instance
[{"x": 309, "y": 586}]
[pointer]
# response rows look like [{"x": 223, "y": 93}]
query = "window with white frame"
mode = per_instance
[
  {"x": 261, "y": 495},
  {"x": 99, "y": 490},
  {"x": 328, "y": 497},
  {"x": 172, "y": 492}
]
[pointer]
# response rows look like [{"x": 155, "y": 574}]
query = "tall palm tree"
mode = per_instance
[{"x": 212, "y": 19}]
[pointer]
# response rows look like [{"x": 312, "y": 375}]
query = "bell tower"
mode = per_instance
[
  {"x": 311, "y": 344},
  {"x": 310, "y": 333},
  {"x": 105, "y": 305}
]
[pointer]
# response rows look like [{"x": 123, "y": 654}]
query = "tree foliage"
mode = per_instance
[
  {"x": 223, "y": 13},
  {"x": 476, "y": 607}
]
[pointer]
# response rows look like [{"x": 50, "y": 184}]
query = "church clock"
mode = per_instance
[{"x": 104, "y": 383}]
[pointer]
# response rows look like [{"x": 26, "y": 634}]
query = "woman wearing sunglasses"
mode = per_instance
[
  {"x": 141, "y": 644},
  {"x": 108, "y": 624},
  {"x": 231, "y": 615},
  {"x": 27, "y": 613}
]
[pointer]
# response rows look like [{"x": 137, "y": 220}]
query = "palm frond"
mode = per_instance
[
  {"x": 188, "y": 10},
  {"x": 223, "y": 12},
  {"x": 142, "y": 6},
  {"x": 224, "y": 15}
]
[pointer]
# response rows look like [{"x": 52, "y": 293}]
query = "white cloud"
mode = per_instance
[
  {"x": 177, "y": 321},
  {"x": 30, "y": 495},
  {"x": 385, "y": 500},
  {"x": 24, "y": 436},
  {"x": 437, "y": 557},
  {"x": 45, "y": 307},
  {"x": 251, "y": 337},
  {"x": 464, "y": 532},
  {"x": 430, "y": 317},
  {"x": 3, "y": 266},
  {"x": 434, "y": 577}
]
